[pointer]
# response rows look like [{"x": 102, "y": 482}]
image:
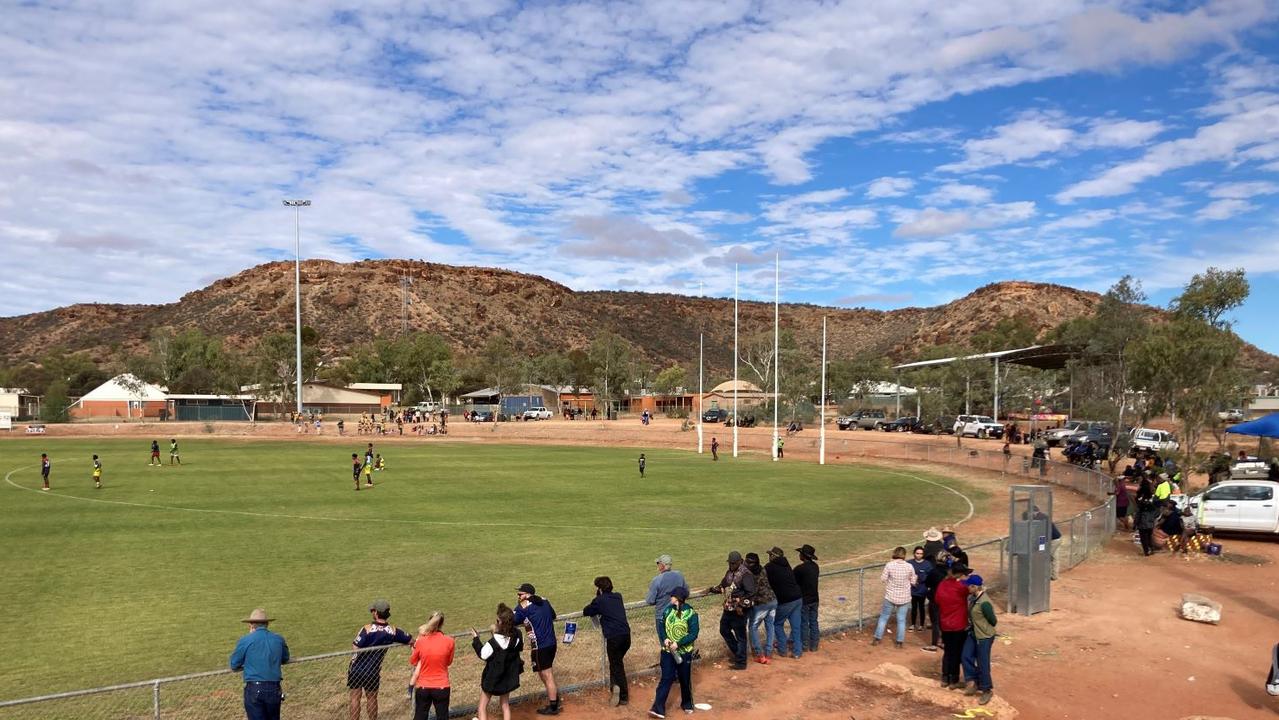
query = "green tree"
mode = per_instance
[
  {"x": 669, "y": 379},
  {"x": 856, "y": 376},
  {"x": 1007, "y": 334},
  {"x": 610, "y": 358},
  {"x": 1211, "y": 294},
  {"x": 424, "y": 361},
  {"x": 54, "y": 407},
  {"x": 275, "y": 367},
  {"x": 499, "y": 366}
]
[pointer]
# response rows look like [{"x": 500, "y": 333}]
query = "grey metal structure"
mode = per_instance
[{"x": 1030, "y": 548}]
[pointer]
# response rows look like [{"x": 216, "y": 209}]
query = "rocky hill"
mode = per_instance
[{"x": 351, "y": 302}]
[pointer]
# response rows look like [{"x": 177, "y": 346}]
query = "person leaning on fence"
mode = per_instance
[
  {"x": 502, "y": 662},
  {"x": 260, "y": 653},
  {"x": 364, "y": 676},
  {"x": 609, "y": 607},
  {"x": 980, "y": 640},
  {"x": 737, "y": 586},
  {"x": 898, "y": 578},
  {"x": 807, "y": 574},
  {"x": 679, "y": 631},
  {"x": 951, "y": 600},
  {"x": 660, "y": 587},
  {"x": 763, "y": 611},
  {"x": 790, "y": 602},
  {"x": 537, "y": 615},
  {"x": 432, "y": 655}
]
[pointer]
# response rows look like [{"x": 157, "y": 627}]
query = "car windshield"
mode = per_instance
[{"x": 983, "y": 419}]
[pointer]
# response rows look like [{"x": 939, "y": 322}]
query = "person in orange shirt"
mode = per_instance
[{"x": 432, "y": 655}]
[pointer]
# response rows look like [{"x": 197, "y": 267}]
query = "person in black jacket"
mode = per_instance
[
  {"x": 738, "y": 587},
  {"x": 611, "y": 611},
  {"x": 502, "y": 662},
  {"x": 789, "y": 603},
  {"x": 806, "y": 574},
  {"x": 933, "y": 579}
]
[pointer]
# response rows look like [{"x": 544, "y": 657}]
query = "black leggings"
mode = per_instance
[
  {"x": 424, "y": 698},
  {"x": 932, "y": 615},
  {"x": 1147, "y": 540},
  {"x": 918, "y": 611},
  {"x": 952, "y": 654}
]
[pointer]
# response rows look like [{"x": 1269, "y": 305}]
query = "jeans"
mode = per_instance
[
  {"x": 672, "y": 671},
  {"x": 732, "y": 627},
  {"x": 790, "y": 612},
  {"x": 811, "y": 632},
  {"x": 977, "y": 661},
  {"x": 425, "y": 698},
  {"x": 765, "y": 615},
  {"x": 616, "y": 648},
  {"x": 952, "y": 654},
  {"x": 262, "y": 700},
  {"x": 888, "y": 609}
]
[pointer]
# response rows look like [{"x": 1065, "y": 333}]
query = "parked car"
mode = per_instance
[
  {"x": 870, "y": 419},
  {"x": 1059, "y": 436},
  {"x": 1244, "y": 505},
  {"x": 1231, "y": 416},
  {"x": 901, "y": 424},
  {"x": 981, "y": 426},
  {"x": 428, "y": 407},
  {"x": 715, "y": 415},
  {"x": 1151, "y": 440},
  {"x": 944, "y": 425},
  {"x": 537, "y": 413},
  {"x": 845, "y": 422},
  {"x": 482, "y": 416}
]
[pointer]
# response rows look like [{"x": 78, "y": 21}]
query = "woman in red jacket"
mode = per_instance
[{"x": 952, "y": 612}]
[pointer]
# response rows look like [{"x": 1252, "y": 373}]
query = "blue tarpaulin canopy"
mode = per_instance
[{"x": 1267, "y": 426}]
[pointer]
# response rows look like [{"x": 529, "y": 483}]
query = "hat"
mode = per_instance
[
  {"x": 776, "y": 552},
  {"x": 734, "y": 556},
  {"x": 807, "y": 551},
  {"x": 381, "y": 607},
  {"x": 932, "y": 534},
  {"x": 664, "y": 559},
  {"x": 948, "y": 528},
  {"x": 527, "y": 588},
  {"x": 973, "y": 579},
  {"x": 1164, "y": 476},
  {"x": 257, "y": 617},
  {"x": 680, "y": 592}
]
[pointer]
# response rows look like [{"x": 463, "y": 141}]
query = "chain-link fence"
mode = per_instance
[{"x": 321, "y": 686}]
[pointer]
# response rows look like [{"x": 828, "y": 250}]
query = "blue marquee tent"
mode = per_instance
[{"x": 1267, "y": 426}]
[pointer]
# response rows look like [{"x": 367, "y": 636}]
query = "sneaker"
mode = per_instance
[
  {"x": 766, "y": 659},
  {"x": 688, "y": 711},
  {"x": 874, "y": 642},
  {"x": 655, "y": 714},
  {"x": 971, "y": 690},
  {"x": 615, "y": 696},
  {"x": 737, "y": 666},
  {"x": 929, "y": 648},
  {"x": 910, "y": 628},
  {"x": 985, "y": 697},
  {"x": 956, "y": 686},
  {"x": 552, "y": 709},
  {"x": 900, "y": 644},
  {"x": 945, "y": 685},
  {"x": 623, "y": 702}
]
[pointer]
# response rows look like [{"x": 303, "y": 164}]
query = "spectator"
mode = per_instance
[
  {"x": 935, "y": 576},
  {"x": 807, "y": 574},
  {"x": 679, "y": 631},
  {"x": 952, "y": 614},
  {"x": 1189, "y": 528},
  {"x": 898, "y": 578},
  {"x": 948, "y": 539},
  {"x": 763, "y": 611},
  {"x": 1147, "y": 515},
  {"x": 737, "y": 586},
  {"x": 932, "y": 542},
  {"x": 364, "y": 676},
  {"x": 608, "y": 606},
  {"x": 432, "y": 655},
  {"x": 538, "y": 617},
  {"x": 502, "y": 663},
  {"x": 661, "y": 586},
  {"x": 980, "y": 640},
  {"x": 1054, "y": 541},
  {"x": 957, "y": 556},
  {"x": 790, "y": 602},
  {"x": 1273, "y": 472},
  {"x": 1122, "y": 500},
  {"x": 260, "y": 654},
  {"x": 1171, "y": 525},
  {"x": 780, "y": 445},
  {"x": 919, "y": 591},
  {"x": 1163, "y": 491}
]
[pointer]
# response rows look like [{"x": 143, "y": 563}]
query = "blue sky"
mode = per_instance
[{"x": 894, "y": 154}]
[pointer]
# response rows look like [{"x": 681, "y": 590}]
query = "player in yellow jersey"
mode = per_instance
[{"x": 97, "y": 472}]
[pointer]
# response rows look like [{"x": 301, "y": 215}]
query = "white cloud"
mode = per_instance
[
  {"x": 932, "y": 222},
  {"x": 1224, "y": 209},
  {"x": 1121, "y": 133},
  {"x": 1079, "y": 221},
  {"x": 889, "y": 187},
  {"x": 1240, "y": 190},
  {"x": 1028, "y": 137},
  {"x": 950, "y": 193}
]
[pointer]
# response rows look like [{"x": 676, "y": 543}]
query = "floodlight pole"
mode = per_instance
[
  {"x": 777, "y": 365},
  {"x": 736, "y": 419},
  {"x": 701, "y": 345},
  {"x": 297, "y": 206},
  {"x": 821, "y": 448}
]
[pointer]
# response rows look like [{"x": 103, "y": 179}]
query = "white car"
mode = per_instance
[
  {"x": 537, "y": 413},
  {"x": 1151, "y": 440},
  {"x": 1231, "y": 416},
  {"x": 982, "y": 426},
  {"x": 428, "y": 408},
  {"x": 1243, "y": 505}
]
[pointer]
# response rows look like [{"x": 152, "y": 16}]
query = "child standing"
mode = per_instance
[
  {"x": 45, "y": 467},
  {"x": 97, "y": 472},
  {"x": 355, "y": 469},
  {"x": 642, "y": 463}
]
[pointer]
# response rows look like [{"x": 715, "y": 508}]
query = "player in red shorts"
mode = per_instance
[{"x": 155, "y": 454}]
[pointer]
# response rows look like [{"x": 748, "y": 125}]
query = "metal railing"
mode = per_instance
[{"x": 317, "y": 686}]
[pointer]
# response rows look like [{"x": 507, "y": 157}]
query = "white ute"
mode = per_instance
[
  {"x": 1242, "y": 505},
  {"x": 537, "y": 413}
]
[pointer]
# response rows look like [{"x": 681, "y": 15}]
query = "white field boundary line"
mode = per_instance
[{"x": 8, "y": 478}]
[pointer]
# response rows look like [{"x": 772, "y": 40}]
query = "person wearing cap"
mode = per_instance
[
  {"x": 807, "y": 574},
  {"x": 951, "y": 600},
  {"x": 948, "y": 539},
  {"x": 538, "y": 617},
  {"x": 932, "y": 542},
  {"x": 790, "y": 602},
  {"x": 898, "y": 578},
  {"x": 364, "y": 676},
  {"x": 763, "y": 612},
  {"x": 738, "y": 587},
  {"x": 980, "y": 640},
  {"x": 260, "y": 653},
  {"x": 1163, "y": 491},
  {"x": 679, "y": 631},
  {"x": 660, "y": 587},
  {"x": 609, "y": 607}
]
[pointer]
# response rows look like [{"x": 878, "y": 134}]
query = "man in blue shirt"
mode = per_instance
[
  {"x": 260, "y": 654},
  {"x": 538, "y": 617},
  {"x": 364, "y": 677},
  {"x": 661, "y": 587}
]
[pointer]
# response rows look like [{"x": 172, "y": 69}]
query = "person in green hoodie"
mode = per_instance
[
  {"x": 677, "y": 634},
  {"x": 981, "y": 638}
]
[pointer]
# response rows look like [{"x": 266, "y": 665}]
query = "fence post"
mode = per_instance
[
  {"x": 861, "y": 592},
  {"x": 155, "y": 699},
  {"x": 1087, "y": 522},
  {"x": 1001, "y": 560},
  {"x": 1072, "y": 541}
]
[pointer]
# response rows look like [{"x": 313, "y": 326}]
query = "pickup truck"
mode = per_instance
[
  {"x": 1059, "y": 436},
  {"x": 537, "y": 413},
  {"x": 428, "y": 407},
  {"x": 1231, "y": 416},
  {"x": 1242, "y": 505},
  {"x": 1150, "y": 440},
  {"x": 980, "y": 426}
]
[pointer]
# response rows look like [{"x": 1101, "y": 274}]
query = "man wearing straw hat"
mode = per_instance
[{"x": 260, "y": 653}]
